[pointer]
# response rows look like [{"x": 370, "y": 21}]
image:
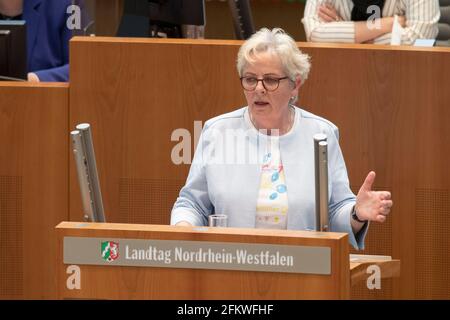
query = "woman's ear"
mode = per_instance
[{"x": 298, "y": 82}]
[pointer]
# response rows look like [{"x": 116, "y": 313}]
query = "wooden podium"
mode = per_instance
[{"x": 101, "y": 261}]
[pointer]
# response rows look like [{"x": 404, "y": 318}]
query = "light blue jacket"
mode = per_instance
[{"x": 225, "y": 174}]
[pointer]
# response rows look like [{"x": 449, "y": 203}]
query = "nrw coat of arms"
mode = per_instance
[{"x": 110, "y": 251}]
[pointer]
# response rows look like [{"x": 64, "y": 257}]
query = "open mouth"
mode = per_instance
[{"x": 260, "y": 103}]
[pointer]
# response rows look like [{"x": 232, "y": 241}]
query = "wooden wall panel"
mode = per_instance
[
  {"x": 390, "y": 103},
  {"x": 269, "y": 14},
  {"x": 33, "y": 186},
  {"x": 134, "y": 104},
  {"x": 108, "y": 14}
]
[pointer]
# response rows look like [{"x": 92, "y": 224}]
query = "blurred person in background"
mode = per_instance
[{"x": 370, "y": 21}]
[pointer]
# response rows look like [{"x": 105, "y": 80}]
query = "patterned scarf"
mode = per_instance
[{"x": 359, "y": 12}]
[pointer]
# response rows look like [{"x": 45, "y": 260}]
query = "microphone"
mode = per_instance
[
  {"x": 321, "y": 181},
  {"x": 83, "y": 150}
]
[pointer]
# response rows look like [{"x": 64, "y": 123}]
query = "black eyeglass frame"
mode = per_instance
[{"x": 262, "y": 80}]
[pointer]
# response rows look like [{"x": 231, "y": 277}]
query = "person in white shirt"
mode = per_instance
[{"x": 370, "y": 21}]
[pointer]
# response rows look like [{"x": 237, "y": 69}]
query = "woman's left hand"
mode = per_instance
[{"x": 372, "y": 205}]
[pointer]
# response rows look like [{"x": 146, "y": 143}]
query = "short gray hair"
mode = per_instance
[{"x": 294, "y": 62}]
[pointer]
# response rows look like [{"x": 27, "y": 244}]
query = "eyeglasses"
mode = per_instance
[{"x": 269, "y": 83}]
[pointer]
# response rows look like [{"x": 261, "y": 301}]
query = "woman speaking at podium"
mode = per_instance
[{"x": 256, "y": 164}]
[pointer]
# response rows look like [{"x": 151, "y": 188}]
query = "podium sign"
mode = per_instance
[{"x": 197, "y": 255}]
